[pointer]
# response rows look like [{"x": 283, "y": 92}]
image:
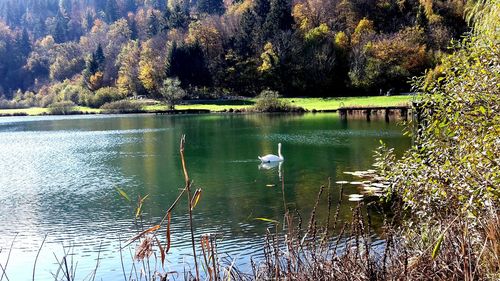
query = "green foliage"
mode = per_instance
[
  {"x": 121, "y": 106},
  {"x": 172, "y": 92},
  {"x": 453, "y": 171},
  {"x": 62, "y": 108},
  {"x": 269, "y": 101},
  {"x": 105, "y": 95}
]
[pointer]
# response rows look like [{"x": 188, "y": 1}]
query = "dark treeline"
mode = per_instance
[{"x": 55, "y": 50}]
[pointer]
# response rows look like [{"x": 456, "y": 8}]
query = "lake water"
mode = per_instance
[{"x": 58, "y": 177}]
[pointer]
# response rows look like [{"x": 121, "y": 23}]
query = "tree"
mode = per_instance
[
  {"x": 94, "y": 67},
  {"x": 172, "y": 92},
  {"x": 279, "y": 18},
  {"x": 60, "y": 28},
  {"x": 187, "y": 62},
  {"x": 211, "y": 6},
  {"x": 111, "y": 11},
  {"x": 128, "y": 63},
  {"x": 244, "y": 36},
  {"x": 152, "y": 25},
  {"x": 25, "y": 43}
]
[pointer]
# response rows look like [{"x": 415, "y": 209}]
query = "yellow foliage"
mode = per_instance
[
  {"x": 47, "y": 42},
  {"x": 96, "y": 80},
  {"x": 299, "y": 15},
  {"x": 146, "y": 75},
  {"x": 341, "y": 40},
  {"x": 322, "y": 31},
  {"x": 207, "y": 35},
  {"x": 363, "y": 29},
  {"x": 123, "y": 84},
  {"x": 406, "y": 49},
  {"x": 269, "y": 58},
  {"x": 238, "y": 9},
  {"x": 428, "y": 6}
]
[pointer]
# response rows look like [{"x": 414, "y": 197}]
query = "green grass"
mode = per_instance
[
  {"x": 41, "y": 111},
  {"x": 223, "y": 105},
  {"x": 335, "y": 103}
]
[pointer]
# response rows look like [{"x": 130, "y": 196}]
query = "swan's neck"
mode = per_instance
[{"x": 279, "y": 152}]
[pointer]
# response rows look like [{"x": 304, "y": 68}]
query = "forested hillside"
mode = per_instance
[{"x": 55, "y": 50}]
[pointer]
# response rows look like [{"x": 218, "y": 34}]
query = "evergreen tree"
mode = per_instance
[
  {"x": 261, "y": 8},
  {"x": 187, "y": 62},
  {"x": 24, "y": 43},
  {"x": 177, "y": 17},
  {"x": 244, "y": 36},
  {"x": 99, "y": 58},
  {"x": 211, "y": 6},
  {"x": 153, "y": 24},
  {"x": 88, "y": 20},
  {"x": 279, "y": 17},
  {"x": 111, "y": 10},
  {"x": 60, "y": 32},
  {"x": 94, "y": 65},
  {"x": 130, "y": 6},
  {"x": 65, "y": 6},
  {"x": 39, "y": 28}
]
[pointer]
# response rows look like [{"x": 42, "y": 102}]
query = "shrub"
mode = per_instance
[
  {"x": 105, "y": 95},
  {"x": 122, "y": 106},
  {"x": 269, "y": 101},
  {"x": 172, "y": 92},
  {"x": 62, "y": 108}
]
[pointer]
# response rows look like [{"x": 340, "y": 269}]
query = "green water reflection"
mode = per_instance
[{"x": 58, "y": 175}]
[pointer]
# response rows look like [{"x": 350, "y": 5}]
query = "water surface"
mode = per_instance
[{"x": 58, "y": 177}]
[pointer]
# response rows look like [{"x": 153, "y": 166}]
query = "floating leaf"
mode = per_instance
[
  {"x": 355, "y": 199},
  {"x": 123, "y": 194},
  {"x": 268, "y": 220},
  {"x": 341, "y": 182},
  {"x": 356, "y": 182},
  {"x": 270, "y": 185}
]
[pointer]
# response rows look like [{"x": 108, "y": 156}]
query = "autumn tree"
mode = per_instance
[{"x": 128, "y": 63}]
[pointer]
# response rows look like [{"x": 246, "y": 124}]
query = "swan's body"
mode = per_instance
[{"x": 271, "y": 157}]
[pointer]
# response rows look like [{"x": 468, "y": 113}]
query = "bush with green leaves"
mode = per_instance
[
  {"x": 269, "y": 101},
  {"x": 105, "y": 95},
  {"x": 62, "y": 108},
  {"x": 122, "y": 106},
  {"x": 452, "y": 173},
  {"x": 171, "y": 92}
]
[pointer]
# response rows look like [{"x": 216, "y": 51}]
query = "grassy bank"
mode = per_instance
[{"x": 226, "y": 105}]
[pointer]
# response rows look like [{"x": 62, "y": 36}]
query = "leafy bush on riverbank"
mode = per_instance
[
  {"x": 62, "y": 108},
  {"x": 269, "y": 101},
  {"x": 122, "y": 106}
]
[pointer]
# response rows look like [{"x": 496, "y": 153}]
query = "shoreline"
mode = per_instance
[{"x": 312, "y": 105}]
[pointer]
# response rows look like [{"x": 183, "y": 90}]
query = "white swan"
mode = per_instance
[{"x": 271, "y": 157}]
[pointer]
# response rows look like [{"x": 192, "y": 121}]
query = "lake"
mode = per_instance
[{"x": 59, "y": 174}]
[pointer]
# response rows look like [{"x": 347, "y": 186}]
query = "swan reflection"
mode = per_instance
[{"x": 272, "y": 166}]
